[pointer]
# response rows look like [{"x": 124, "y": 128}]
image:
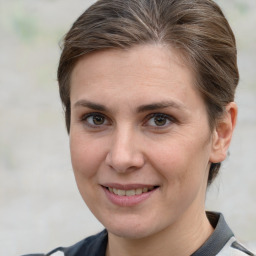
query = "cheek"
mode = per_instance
[
  {"x": 184, "y": 173},
  {"x": 85, "y": 156},
  {"x": 86, "y": 161},
  {"x": 181, "y": 162}
]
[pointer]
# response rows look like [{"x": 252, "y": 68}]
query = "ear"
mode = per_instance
[{"x": 222, "y": 133}]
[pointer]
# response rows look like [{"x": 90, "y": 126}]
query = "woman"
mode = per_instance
[{"x": 148, "y": 90}]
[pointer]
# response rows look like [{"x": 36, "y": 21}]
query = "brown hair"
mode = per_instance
[{"x": 197, "y": 27}]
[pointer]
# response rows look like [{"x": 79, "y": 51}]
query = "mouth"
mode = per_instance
[
  {"x": 128, "y": 195},
  {"x": 130, "y": 192}
]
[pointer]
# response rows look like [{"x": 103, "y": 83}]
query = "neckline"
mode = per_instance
[
  {"x": 220, "y": 236},
  {"x": 213, "y": 245}
]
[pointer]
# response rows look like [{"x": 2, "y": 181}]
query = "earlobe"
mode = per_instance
[{"x": 222, "y": 133}]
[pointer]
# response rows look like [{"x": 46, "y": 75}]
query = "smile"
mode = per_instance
[
  {"x": 128, "y": 195},
  {"x": 131, "y": 192}
]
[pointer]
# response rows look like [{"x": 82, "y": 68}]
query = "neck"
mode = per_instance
[{"x": 182, "y": 238}]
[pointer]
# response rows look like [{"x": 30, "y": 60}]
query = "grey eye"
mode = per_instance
[
  {"x": 96, "y": 119},
  {"x": 159, "y": 120}
]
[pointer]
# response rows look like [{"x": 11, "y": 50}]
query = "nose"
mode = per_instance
[{"x": 125, "y": 154}]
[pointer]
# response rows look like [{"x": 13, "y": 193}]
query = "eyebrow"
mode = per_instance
[
  {"x": 160, "y": 105},
  {"x": 142, "y": 108},
  {"x": 91, "y": 105}
]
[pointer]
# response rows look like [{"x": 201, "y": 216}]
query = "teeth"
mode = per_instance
[
  {"x": 144, "y": 190},
  {"x": 121, "y": 192},
  {"x": 131, "y": 192},
  {"x": 138, "y": 191}
]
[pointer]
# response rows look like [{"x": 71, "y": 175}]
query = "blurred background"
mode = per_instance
[{"x": 40, "y": 207}]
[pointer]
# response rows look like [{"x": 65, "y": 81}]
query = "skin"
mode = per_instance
[{"x": 124, "y": 143}]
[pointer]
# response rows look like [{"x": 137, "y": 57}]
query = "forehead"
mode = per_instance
[
  {"x": 139, "y": 70},
  {"x": 149, "y": 55}
]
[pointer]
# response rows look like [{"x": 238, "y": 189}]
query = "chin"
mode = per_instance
[
  {"x": 132, "y": 230},
  {"x": 130, "y": 233}
]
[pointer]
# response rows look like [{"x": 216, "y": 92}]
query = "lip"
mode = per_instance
[
  {"x": 128, "y": 201},
  {"x": 127, "y": 186}
]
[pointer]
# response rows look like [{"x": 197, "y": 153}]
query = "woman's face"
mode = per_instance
[{"x": 140, "y": 140}]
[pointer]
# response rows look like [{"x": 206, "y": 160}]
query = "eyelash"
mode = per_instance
[{"x": 166, "y": 118}]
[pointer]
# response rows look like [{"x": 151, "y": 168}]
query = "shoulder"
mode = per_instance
[
  {"x": 222, "y": 242},
  {"x": 235, "y": 248},
  {"x": 90, "y": 246}
]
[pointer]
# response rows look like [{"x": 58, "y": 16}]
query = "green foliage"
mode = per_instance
[
  {"x": 25, "y": 26},
  {"x": 243, "y": 7}
]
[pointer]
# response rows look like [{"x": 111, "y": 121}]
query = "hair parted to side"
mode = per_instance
[{"x": 197, "y": 28}]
